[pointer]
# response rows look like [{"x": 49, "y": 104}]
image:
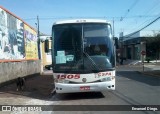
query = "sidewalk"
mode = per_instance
[
  {"x": 139, "y": 62},
  {"x": 152, "y": 73},
  {"x": 152, "y": 68}
]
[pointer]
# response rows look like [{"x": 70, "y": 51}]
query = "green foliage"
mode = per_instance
[
  {"x": 148, "y": 59},
  {"x": 154, "y": 40},
  {"x": 153, "y": 46}
]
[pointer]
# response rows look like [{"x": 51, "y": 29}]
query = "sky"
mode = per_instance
[{"x": 128, "y": 15}]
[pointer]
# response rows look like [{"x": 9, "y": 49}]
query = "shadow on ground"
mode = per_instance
[
  {"x": 77, "y": 96},
  {"x": 39, "y": 87},
  {"x": 137, "y": 76}
]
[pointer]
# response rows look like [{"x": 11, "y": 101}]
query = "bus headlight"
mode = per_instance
[
  {"x": 108, "y": 79},
  {"x": 62, "y": 81},
  {"x": 55, "y": 80},
  {"x": 65, "y": 81}
]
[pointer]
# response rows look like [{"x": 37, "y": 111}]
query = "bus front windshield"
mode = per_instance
[{"x": 82, "y": 48}]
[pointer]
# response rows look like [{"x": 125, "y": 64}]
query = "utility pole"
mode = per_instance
[
  {"x": 113, "y": 27},
  {"x": 38, "y": 35},
  {"x": 39, "y": 47}
]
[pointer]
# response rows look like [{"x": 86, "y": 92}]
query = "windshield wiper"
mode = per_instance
[{"x": 93, "y": 63}]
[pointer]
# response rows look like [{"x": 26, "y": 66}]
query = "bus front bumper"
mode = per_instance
[{"x": 88, "y": 87}]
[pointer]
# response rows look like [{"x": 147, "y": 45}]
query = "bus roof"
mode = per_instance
[{"x": 81, "y": 21}]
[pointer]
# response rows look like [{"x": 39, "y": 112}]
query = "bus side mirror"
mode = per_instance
[
  {"x": 46, "y": 45},
  {"x": 116, "y": 42}
]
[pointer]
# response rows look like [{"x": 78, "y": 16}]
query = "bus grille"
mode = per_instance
[{"x": 70, "y": 82}]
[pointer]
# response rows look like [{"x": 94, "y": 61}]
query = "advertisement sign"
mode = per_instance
[
  {"x": 31, "y": 48},
  {"x": 11, "y": 37}
]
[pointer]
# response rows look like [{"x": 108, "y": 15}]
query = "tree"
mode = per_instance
[{"x": 153, "y": 46}]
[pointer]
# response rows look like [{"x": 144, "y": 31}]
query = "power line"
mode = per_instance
[
  {"x": 155, "y": 6},
  {"x": 144, "y": 27},
  {"x": 146, "y": 13},
  {"x": 150, "y": 11},
  {"x": 128, "y": 10},
  {"x": 104, "y": 17}
]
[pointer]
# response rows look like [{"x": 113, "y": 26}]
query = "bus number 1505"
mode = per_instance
[{"x": 68, "y": 76}]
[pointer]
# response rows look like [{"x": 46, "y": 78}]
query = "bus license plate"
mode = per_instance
[{"x": 85, "y": 88}]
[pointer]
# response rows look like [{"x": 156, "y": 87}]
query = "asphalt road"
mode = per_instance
[{"x": 132, "y": 88}]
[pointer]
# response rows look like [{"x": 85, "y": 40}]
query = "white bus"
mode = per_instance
[{"x": 83, "y": 56}]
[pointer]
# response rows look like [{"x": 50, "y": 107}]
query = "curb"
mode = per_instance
[
  {"x": 46, "y": 74},
  {"x": 3, "y": 84},
  {"x": 149, "y": 74}
]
